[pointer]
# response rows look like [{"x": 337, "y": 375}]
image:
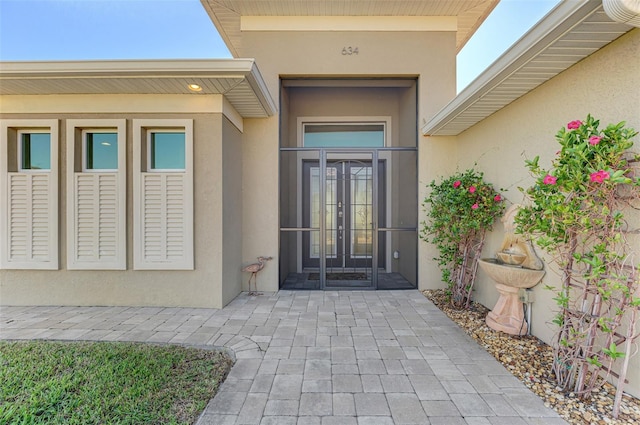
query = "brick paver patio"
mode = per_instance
[{"x": 318, "y": 358}]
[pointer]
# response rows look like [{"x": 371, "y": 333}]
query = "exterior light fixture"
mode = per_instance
[
  {"x": 194, "y": 87},
  {"x": 105, "y": 144}
]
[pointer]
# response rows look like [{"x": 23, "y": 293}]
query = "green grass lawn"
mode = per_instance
[{"x": 47, "y": 382}]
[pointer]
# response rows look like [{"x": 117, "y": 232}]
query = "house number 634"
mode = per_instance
[{"x": 349, "y": 51}]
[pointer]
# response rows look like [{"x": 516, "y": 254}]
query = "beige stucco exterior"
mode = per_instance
[
  {"x": 605, "y": 85},
  {"x": 239, "y": 174},
  {"x": 217, "y": 179},
  {"x": 429, "y": 57}
]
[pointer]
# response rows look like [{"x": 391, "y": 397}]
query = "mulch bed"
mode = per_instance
[{"x": 530, "y": 359}]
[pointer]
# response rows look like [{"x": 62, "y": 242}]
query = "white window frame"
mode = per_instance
[
  {"x": 22, "y": 126},
  {"x": 118, "y": 126},
  {"x": 141, "y": 130},
  {"x": 20, "y": 133},
  {"x": 149, "y": 133},
  {"x": 87, "y": 131}
]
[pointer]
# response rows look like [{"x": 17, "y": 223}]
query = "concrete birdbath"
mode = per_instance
[{"x": 515, "y": 267}]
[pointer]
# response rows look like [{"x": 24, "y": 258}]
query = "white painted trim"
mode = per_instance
[
  {"x": 232, "y": 115},
  {"x": 112, "y": 103},
  {"x": 120, "y": 127},
  {"x": 348, "y": 23},
  {"x": 152, "y": 67},
  {"x": 19, "y": 124},
  {"x": 140, "y": 127}
]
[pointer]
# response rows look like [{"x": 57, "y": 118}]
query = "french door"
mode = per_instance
[{"x": 352, "y": 210}]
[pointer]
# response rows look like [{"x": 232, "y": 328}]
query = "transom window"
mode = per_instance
[
  {"x": 35, "y": 151},
  {"x": 101, "y": 150},
  {"x": 337, "y": 135},
  {"x": 166, "y": 150}
]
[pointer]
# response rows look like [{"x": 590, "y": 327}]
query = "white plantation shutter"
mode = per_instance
[
  {"x": 30, "y": 234},
  {"x": 96, "y": 237},
  {"x": 163, "y": 205},
  {"x": 165, "y": 233},
  {"x": 28, "y": 204},
  {"x": 96, "y": 204}
]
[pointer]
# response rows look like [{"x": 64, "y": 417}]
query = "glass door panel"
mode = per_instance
[
  {"x": 349, "y": 217},
  {"x": 331, "y": 213},
  {"x": 361, "y": 211}
]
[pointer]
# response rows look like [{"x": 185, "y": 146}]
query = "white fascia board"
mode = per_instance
[
  {"x": 240, "y": 68},
  {"x": 557, "y": 22},
  {"x": 262, "y": 92},
  {"x": 142, "y": 68}
]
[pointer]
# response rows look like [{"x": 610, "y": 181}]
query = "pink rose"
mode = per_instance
[
  {"x": 594, "y": 140},
  {"x": 600, "y": 176},
  {"x": 549, "y": 179},
  {"x": 474, "y": 206},
  {"x": 497, "y": 198},
  {"x": 457, "y": 184},
  {"x": 574, "y": 124},
  {"x": 472, "y": 189}
]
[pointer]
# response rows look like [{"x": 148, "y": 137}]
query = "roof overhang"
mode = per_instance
[
  {"x": 227, "y": 14},
  {"x": 569, "y": 33},
  {"x": 238, "y": 80}
]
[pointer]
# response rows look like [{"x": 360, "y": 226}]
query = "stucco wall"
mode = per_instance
[
  {"x": 606, "y": 85},
  {"x": 231, "y": 211},
  {"x": 201, "y": 287},
  {"x": 429, "y": 56}
]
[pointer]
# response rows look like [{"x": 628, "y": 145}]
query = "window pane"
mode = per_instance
[
  {"x": 167, "y": 151},
  {"x": 36, "y": 151},
  {"x": 343, "y": 135},
  {"x": 102, "y": 151}
]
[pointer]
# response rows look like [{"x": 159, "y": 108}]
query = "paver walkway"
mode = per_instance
[{"x": 318, "y": 358}]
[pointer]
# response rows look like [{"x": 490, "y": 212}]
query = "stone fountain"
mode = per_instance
[{"x": 515, "y": 267}]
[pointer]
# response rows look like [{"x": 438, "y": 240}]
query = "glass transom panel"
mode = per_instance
[{"x": 343, "y": 135}]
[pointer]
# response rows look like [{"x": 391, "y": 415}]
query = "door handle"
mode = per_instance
[{"x": 340, "y": 232}]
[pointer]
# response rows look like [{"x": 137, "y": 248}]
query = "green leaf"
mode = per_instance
[
  {"x": 594, "y": 361},
  {"x": 613, "y": 352}
]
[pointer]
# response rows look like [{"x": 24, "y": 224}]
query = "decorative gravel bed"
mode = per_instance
[{"x": 529, "y": 359}]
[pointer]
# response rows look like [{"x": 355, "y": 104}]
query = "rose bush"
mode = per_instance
[
  {"x": 577, "y": 215},
  {"x": 460, "y": 209}
]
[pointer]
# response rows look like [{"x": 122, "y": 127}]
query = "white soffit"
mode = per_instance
[
  {"x": 237, "y": 79},
  {"x": 569, "y": 33},
  {"x": 348, "y": 23},
  {"x": 227, "y": 14}
]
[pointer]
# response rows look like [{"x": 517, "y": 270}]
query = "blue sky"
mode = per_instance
[{"x": 181, "y": 29}]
